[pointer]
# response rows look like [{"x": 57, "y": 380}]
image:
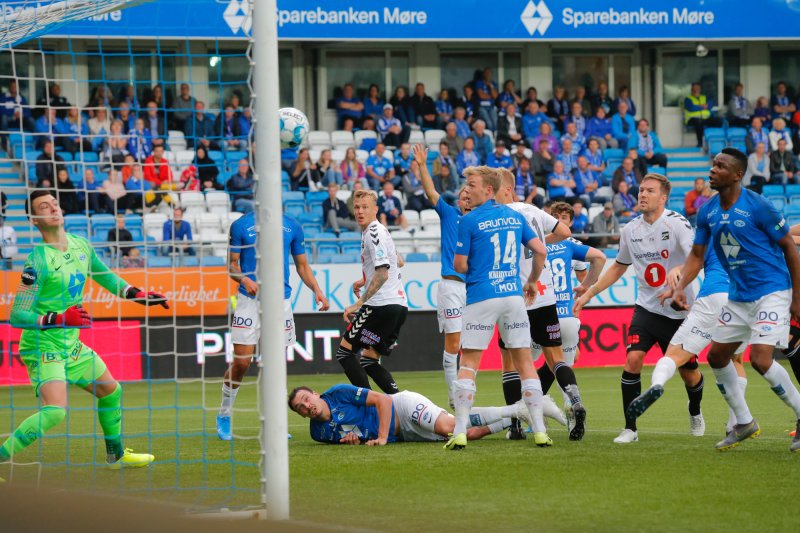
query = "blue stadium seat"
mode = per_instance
[
  {"x": 102, "y": 223},
  {"x": 189, "y": 261},
  {"x": 310, "y": 218},
  {"x": 773, "y": 190},
  {"x": 793, "y": 220},
  {"x": 328, "y": 248},
  {"x": 343, "y": 259},
  {"x": 793, "y": 194},
  {"x": 311, "y": 230},
  {"x": 73, "y": 223},
  {"x": 676, "y": 203},
  {"x": 297, "y": 196},
  {"x": 351, "y": 248},
  {"x": 234, "y": 156},
  {"x": 613, "y": 153},
  {"x": 212, "y": 261},
  {"x": 324, "y": 259},
  {"x": 611, "y": 253},
  {"x": 736, "y": 135},
  {"x": 159, "y": 262},
  {"x": 436, "y": 257},
  {"x": 133, "y": 221},
  {"x": 778, "y": 201},
  {"x": 316, "y": 197},
  {"x": 294, "y": 208},
  {"x": 416, "y": 257}
]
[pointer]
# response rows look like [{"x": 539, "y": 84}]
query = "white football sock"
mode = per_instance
[
  {"x": 731, "y": 415},
  {"x": 728, "y": 383},
  {"x": 500, "y": 425},
  {"x": 782, "y": 385},
  {"x": 532, "y": 396},
  {"x": 463, "y": 398},
  {"x": 450, "y": 366},
  {"x": 483, "y": 416},
  {"x": 663, "y": 372},
  {"x": 228, "y": 399}
]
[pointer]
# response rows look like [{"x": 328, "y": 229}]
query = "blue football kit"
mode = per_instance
[{"x": 349, "y": 414}]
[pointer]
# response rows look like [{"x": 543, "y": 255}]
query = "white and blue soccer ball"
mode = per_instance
[{"x": 294, "y": 127}]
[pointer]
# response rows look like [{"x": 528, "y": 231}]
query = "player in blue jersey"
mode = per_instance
[
  {"x": 489, "y": 239},
  {"x": 451, "y": 293},
  {"x": 752, "y": 241},
  {"x": 246, "y": 322},
  {"x": 346, "y": 414}
]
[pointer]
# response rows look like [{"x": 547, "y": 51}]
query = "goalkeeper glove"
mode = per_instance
[
  {"x": 74, "y": 317},
  {"x": 145, "y": 298}
]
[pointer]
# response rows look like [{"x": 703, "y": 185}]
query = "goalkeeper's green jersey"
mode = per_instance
[{"x": 54, "y": 280}]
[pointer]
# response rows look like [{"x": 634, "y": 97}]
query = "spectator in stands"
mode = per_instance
[
  {"x": 690, "y": 199},
  {"x": 469, "y": 101},
  {"x": 602, "y": 99},
  {"x": 348, "y": 105},
  {"x": 532, "y": 95},
  {"x": 525, "y": 184},
  {"x": 240, "y": 188},
  {"x": 638, "y": 162},
  {"x": 246, "y": 122},
  {"x": 352, "y": 170},
  {"x": 629, "y": 174},
  {"x": 444, "y": 159},
  {"x": 560, "y": 184},
  {"x": 229, "y": 130},
  {"x": 380, "y": 169},
  {"x": 483, "y": 142},
  {"x": 756, "y": 134},
  {"x": 47, "y": 165},
  {"x": 757, "y": 173},
  {"x": 127, "y": 94},
  {"x": 403, "y": 109},
  {"x": 625, "y": 205},
  {"x": 499, "y": 158},
  {"x": 599, "y": 127},
  {"x": 782, "y": 106},
  {"x": 357, "y": 186},
  {"x": 102, "y": 98},
  {"x": 390, "y": 130},
  {"x": 111, "y": 196},
  {"x": 424, "y": 107},
  {"x": 46, "y": 127},
  {"x": 88, "y": 196},
  {"x": 199, "y": 129},
  {"x": 444, "y": 109},
  {"x": 622, "y": 125},
  {"x": 509, "y": 126},
  {"x": 508, "y": 96},
  {"x": 605, "y": 222},
  {"x": 697, "y": 112},
  {"x": 468, "y": 157},
  {"x": 739, "y": 109},
  {"x": 594, "y": 155},
  {"x": 206, "y": 168},
  {"x": 454, "y": 141},
  {"x": 119, "y": 234},
  {"x": 487, "y": 95},
  {"x": 304, "y": 174},
  {"x": 782, "y": 164},
  {"x": 140, "y": 145},
  {"x": 648, "y": 145},
  {"x": 546, "y": 137},
  {"x": 390, "y": 209},
  {"x": 780, "y": 132},
  {"x": 157, "y": 170},
  {"x": 461, "y": 122},
  {"x": 181, "y": 108},
  {"x": 373, "y": 103},
  {"x": 587, "y": 183},
  {"x": 115, "y": 145},
  {"x": 577, "y": 118},
  {"x": 128, "y": 119},
  {"x": 73, "y": 133},
  {"x": 542, "y": 164},
  {"x": 579, "y": 215},
  {"x": 176, "y": 231},
  {"x": 8, "y": 244},
  {"x": 532, "y": 122},
  {"x": 67, "y": 197},
  {"x": 55, "y": 100},
  {"x": 15, "y": 114},
  {"x": 155, "y": 122},
  {"x": 763, "y": 111},
  {"x": 412, "y": 187},
  {"x": 133, "y": 260},
  {"x": 624, "y": 95},
  {"x": 326, "y": 167},
  {"x": 402, "y": 161},
  {"x": 99, "y": 128},
  {"x": 558, "y": 107},
  {"x": 157, "y": 96},
  {"x": 335, "y": 210},
  {"x": 518, "y": 154},
  {"x": 580, "y": 98},
  {"x": 445, "y": 182},
  {"x": 576, "y": 139},
  {"x": 568, "y": 156},
  {"x": 139, "y": 190}
]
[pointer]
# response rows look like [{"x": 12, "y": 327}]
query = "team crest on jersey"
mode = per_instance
[
  {"x": 665, "y": 254},
  {"x": 664, "y": 235},
  {"x": 739, "y": 223}
]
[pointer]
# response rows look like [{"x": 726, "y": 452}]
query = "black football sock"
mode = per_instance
[
  {"x": 631, "y": 388},
  {"x": 566, "y": 380},
  {"x": 352, "y": 368},
  {"x": 546, "y": 376},
  {"x": 512, "y": 387},
  {"x": 382, "y": 377},
  {"x": 695, "y": 397}
]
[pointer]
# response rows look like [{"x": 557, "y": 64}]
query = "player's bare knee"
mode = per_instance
[
  {"x": 634, "y": 362},
  {"x": 761, "y": 359},
  {"x": 452, "y": 342},
  {"x": 445, "y": 424}
]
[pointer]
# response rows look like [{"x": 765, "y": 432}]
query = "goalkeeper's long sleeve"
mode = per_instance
[
  {"x": 106, "y": 278},
  {"x": 23, "y": 312}
]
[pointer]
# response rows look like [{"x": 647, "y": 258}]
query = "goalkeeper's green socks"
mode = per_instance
[
  {"x": 109, "y": 413},
  {"x": 31, "y": 429}
]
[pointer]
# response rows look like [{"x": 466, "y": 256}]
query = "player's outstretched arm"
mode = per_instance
[
  {"x": 307, "y": 275},
  {"x": 607, "y": 279},
  {"x": 560, "y": 233},
  {"x": 692, "y": 267},
  {"x": 793, "y": 263},
  {"x": 116, "y": 285},
  {"x": 383, "y": 404},
  {"x": 596, "y": 260},
  {"x": 421, "y": 157}
]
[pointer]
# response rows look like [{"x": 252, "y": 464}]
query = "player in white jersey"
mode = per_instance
[
  {"x": 375, "y": 319},
  {"x": 654, "y": 244},
  {"x": 451, "y": 293},
  {"x": 545, "y": 328}
]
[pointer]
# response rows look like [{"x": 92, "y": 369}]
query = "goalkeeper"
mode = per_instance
[{"x": 48, "y": 309}]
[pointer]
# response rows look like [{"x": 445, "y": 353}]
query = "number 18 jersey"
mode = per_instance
[{"x": 653, "y": 250}]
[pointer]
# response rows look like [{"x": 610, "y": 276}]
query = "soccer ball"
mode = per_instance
[{"x": 294, "y": 127}]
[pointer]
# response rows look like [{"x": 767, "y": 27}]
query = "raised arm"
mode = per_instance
[{"x": 421, "y": 157}]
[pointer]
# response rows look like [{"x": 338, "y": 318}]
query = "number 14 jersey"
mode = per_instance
[{"x": 653, "y": 250}]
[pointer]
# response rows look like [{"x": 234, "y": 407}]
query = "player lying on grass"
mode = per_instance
[
  {"x": 345, "y": 414},
  {"x": 48, "y": 308}
]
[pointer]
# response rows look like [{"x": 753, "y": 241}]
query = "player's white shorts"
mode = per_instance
[
  {"x": 694, "y": 335},
  {"x": 416, "y": 415},
  {"x": 245, "y": 323},
  {"x": 570, "y": 336},
  {"x": 765, "y": 321},
  {"x": 451, "y": 297},
  {"x": 508, "y": 313}
]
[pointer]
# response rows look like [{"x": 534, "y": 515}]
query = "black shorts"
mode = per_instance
[
  {"x": 649, "y": 328},
  {"x": 545, "y": 327},
  {"x": 376, "y": 327}
]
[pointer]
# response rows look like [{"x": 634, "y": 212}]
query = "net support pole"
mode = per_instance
[{"x": 274, "y": 422}]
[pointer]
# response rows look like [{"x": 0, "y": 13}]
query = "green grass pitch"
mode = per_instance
[{"x": 668, "y": 481}]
